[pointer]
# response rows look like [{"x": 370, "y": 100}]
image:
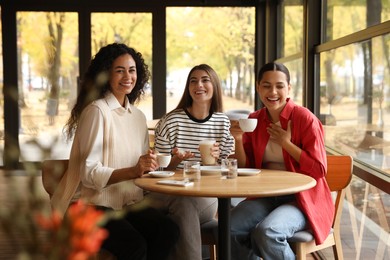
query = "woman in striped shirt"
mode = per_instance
[{"x": 198, "y": 116}]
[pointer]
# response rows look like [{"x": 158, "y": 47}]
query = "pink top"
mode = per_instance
[{"x": 307, "y": 133}]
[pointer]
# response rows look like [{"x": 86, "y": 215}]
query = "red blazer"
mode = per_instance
[{"x": 307, "y": 133}]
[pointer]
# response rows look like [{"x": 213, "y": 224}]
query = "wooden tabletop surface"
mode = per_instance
[{"x": 266, "y": 183}]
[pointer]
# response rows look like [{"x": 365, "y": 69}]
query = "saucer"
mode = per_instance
[
  {"x": 210, "y": 170},
  {"x": 161, "y": 174},
  {"x": 247, "y": 171}
]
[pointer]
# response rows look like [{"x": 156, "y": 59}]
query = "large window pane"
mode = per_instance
[
  {"x": 364, "y": 222},
  {"x": 47, "y": 81},
  {"x": 135, "y": 32},
  {"x": 296, "y": 80},
  {"x": 346, "y": 17},
  {"x": 221, "y": 37},
  {"x": 291, "y": 28},
  {"x": 355, "y": 95}
]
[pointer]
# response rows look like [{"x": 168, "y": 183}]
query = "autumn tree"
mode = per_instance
[{"x": 55, "y": 23}]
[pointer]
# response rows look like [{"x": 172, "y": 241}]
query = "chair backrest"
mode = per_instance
[
  {"x": 52, "y": 172},
  {"x": 339, "y": 171},
  {"x": 338, "y": 177}
]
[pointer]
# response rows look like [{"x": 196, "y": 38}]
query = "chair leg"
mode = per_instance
[
  {"x": 337, "y": 251},
  {"x": 301, "y": 251},
  {"x": 213, "y": 252}
]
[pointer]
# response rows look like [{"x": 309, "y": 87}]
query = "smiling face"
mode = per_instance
[
  {"x": 200, "y": 87},
  {"x": 123, "y": 76},
  {"x": 273, "y": 89}
]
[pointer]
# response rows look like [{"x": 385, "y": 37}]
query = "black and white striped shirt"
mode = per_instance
[{"x": 179, "y": 129}]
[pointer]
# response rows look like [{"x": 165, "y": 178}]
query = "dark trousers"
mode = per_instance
[{"x": 141, "y": 234}]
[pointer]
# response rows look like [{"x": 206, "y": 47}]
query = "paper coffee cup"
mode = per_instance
[{"x": 205, "y": 152}]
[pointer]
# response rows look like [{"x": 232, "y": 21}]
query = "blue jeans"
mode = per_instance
[{"x": 261, "y": 227}]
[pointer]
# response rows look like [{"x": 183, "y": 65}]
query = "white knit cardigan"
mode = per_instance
[{"x": 66, "y": 189}]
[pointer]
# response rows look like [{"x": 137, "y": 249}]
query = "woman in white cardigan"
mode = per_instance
[{"x": 110, "y": 149}]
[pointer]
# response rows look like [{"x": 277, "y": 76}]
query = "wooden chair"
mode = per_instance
[
  {"x": 52, "y": 172},
  {"x": 338, "y": 177}
]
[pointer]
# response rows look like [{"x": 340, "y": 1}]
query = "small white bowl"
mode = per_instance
[{"x": 248, "y": 124}]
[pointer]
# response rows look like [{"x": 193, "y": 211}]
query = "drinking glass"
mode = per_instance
[
  {"x": 229, "y": 168},
  {"x": 191, "y": 170}
]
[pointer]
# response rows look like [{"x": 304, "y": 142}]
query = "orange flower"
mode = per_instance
[
  {"x": 52, "y": 222},
  {"x": 85, "y": 233},
  {"x": 78, "y": 235}
]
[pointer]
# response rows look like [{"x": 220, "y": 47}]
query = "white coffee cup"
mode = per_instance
[
  {"x": 163, "y": 159},
  {"x": 248, "y": 124},
  {"x": 205, "y": 151}
]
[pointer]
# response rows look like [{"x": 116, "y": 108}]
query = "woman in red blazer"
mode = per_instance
[{"x": 287, "y": 137}]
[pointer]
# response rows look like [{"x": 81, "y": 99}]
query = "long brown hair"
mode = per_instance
[{"x": 216, "y": 100}]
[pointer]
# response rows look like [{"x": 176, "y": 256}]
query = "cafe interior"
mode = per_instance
[{"x": 337, "y": 51}]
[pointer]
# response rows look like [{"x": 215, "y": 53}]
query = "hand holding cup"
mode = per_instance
[{"x": 206, "y": 149}]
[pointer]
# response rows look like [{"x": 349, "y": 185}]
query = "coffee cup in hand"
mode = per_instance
[
  {"x": 205, "y": 147},
  {"x": 163, "y": 159},
  {"x": 248, "y": 124}
]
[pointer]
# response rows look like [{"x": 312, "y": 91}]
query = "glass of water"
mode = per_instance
[
  {"x": 229, "y": 168},
  {"x": 191, "y": 171}
]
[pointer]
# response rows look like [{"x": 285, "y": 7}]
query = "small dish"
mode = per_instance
[
  {"x": 161, "y": 174},
  {"x": 247, "y": 171},
  {"x": 210, "y": 170}
]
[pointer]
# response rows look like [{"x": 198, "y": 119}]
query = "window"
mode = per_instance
[
  {"x": 227, "y": 46},
  {"x": 291, "y": 31},
  {"x": 136, "y": 33},
  {"x": 47, "y": 81},
  {"x": 354, "y": 87},
  {"x": 295, "y": 68},
  {"x": 347, "y": 17},
  {"x": 355, "y": 96},
  {"x": 290, "y": 47}
]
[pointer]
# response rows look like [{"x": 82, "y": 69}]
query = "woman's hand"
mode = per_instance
[
  {"x": 235, "y": 130},
  {"x": 283, "y": 138},
  {"x": 279, "y": 135},
  {"x": 178, "y": 155},
  {"x": 181, "y": 154},
  {"x": 215, "y": 152},
  {"x": 146, "y": 163}
]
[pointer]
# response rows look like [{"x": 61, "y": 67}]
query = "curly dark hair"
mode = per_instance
[
  {"x": 216, "y": 101},
  {"x": 95, "y": 83}
]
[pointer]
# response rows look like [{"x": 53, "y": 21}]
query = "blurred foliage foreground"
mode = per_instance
[{"x": 35, "y": 231}]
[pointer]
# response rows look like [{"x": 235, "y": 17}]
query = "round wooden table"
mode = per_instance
[{"x": 265, "y": 184}]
